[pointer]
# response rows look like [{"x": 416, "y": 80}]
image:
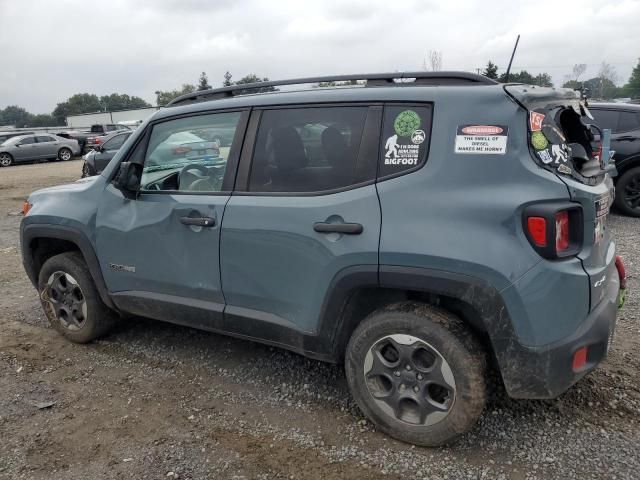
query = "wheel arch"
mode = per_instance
[
  {"x": 41, "y": 242},
  {"x": 357, "y": 293},
  {"x": 627, "y": 164}
]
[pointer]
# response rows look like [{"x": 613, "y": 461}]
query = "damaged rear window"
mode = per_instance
[{"x": 561, "y": 132}]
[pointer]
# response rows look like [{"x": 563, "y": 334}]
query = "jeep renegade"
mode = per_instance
[{"x": 417, "y": 227}]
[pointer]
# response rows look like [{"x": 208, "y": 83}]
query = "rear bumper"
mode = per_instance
[{"x": 546, "y": 372}]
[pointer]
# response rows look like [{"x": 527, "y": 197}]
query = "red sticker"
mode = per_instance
[
  {"x": 482, "y": 130},
  {"x": 535, "y": 121}
]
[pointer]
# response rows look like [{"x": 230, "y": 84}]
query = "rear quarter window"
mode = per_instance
[{"x": 406, "y": 131}]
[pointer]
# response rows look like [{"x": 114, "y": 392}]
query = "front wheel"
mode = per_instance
[
  {"x": 70, "y": 299},
  {"x": 417, "y": 372},
  {"x": 628, "y": 192},
  {"x": 64, "y": 154},
  {"x": 5, "y": 160}
]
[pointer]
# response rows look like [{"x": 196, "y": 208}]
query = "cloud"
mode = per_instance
[{"x": 51, "y": 50}]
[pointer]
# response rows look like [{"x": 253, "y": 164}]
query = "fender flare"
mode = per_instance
[{"x": 34, "y": 231}]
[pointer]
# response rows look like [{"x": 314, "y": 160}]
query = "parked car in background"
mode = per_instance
[
  {"x": 624, "y": 121},
  {"x": 4, "y": 136},
  {"x": 87, "y": 139},
  {"x": 98, "y": 158},
  {"x": 42, "y": 146}
]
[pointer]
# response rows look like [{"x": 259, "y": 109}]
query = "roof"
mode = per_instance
[
  {"x": 378, "y": 88},
  {"x": 362, "y": 79}
]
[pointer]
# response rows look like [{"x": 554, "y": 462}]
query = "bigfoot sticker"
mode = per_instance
[{"x": 405, "y": 137}]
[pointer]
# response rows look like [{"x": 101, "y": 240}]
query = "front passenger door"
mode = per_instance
[
  {"x": 27, "y": 150},
  {"x": 159, "y": 251}
]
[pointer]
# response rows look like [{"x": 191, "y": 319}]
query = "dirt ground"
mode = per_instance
[{"x": 154, "y": 400}]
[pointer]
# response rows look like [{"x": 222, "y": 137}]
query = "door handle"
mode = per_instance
[
  {"x": 199, "y": 221},
  {"x": 346, "y": 228}
]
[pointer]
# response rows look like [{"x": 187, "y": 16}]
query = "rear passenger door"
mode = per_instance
[
  {"x": 304, "y": 210},
  {"x": 47, "y": 146}
]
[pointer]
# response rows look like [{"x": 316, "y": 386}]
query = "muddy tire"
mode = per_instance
[
  {"x": 70, "y": 299},
  {"x": 417, "y": 372}
]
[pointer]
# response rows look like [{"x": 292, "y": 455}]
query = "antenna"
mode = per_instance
[{"x": 506, "y": 78}]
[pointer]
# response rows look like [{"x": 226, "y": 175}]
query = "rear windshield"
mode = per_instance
[{"x": 563, "y": 135}]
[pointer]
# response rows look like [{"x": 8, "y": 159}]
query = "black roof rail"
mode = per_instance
[{"x": 372, "y": 79}]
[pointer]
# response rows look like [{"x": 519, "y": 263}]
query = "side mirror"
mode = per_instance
[
  {"x": 128, "y": 177},
  {"x": 578, "y": 152}
]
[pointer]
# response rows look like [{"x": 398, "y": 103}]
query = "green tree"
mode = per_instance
[
  {"x": 15, "y": 115},
  {"x": 253, "y": 78},
  {"x": 78, "y": 103},
  {"x": 227, "y": 79},
  {"x": 162, "y": 97},
  {"x": 491, "y": 70},
  {"x": 43, "y": 120},
  {"x": 542, "y": 79},
  {"x": 203, "y": 83},
  {"x": 117, "y": 101},
  {"x": 632, "y": 87}
]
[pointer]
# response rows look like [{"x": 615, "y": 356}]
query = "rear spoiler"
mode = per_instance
[{"x": 542, "y": 98}]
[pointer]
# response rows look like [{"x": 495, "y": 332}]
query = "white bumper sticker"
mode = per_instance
[{"x": 482, "y": 139}]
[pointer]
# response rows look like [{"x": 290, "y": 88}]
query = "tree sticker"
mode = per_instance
[{"x": 406, "y": 123}]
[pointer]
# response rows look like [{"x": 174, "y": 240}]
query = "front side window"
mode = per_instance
[
  {"x": 27, "y": 141},
  {"x": 189, "y": 154},
  {"x": 116, "y": 142},
  {"x": 308, "y": 150}
]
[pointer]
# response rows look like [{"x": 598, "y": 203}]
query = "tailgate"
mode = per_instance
[{"x": 598, "y": 253}]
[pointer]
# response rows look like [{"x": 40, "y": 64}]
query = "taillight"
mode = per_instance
[
  {"x": 537, "y": 227},
  {"x": 562, "y": 231},
  {"x": 97, "y": 141},
  {"x": 26, "y": 206},
  {"x": 554, "y": 229}
]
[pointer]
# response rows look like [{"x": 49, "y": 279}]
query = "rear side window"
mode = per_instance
[
  {"x": 308, "y": 150},
  {"x": 606, "y": 119},
  {"x": 111, "y": 128},
  {"x": 44, "y": 139},
  {"x": 628, "y": 121},
  {"x": 405, "y": 138}
]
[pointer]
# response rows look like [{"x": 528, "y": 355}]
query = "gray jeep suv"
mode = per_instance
[{"x": 415, "y": 230}]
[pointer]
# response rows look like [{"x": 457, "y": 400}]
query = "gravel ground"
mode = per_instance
[{"x": 155, "y": 400}]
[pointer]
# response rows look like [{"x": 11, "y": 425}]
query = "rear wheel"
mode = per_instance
[
  {"x": 628, "y": 192},
  {"x": 70, "y": 299},
  {"x": 65, "y": 154},
  {"x": 417, "y": 372},
  {"x": 5, "y": 159}
]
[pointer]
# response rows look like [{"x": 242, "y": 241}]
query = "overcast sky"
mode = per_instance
[{"x": 50, "y": 50}]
